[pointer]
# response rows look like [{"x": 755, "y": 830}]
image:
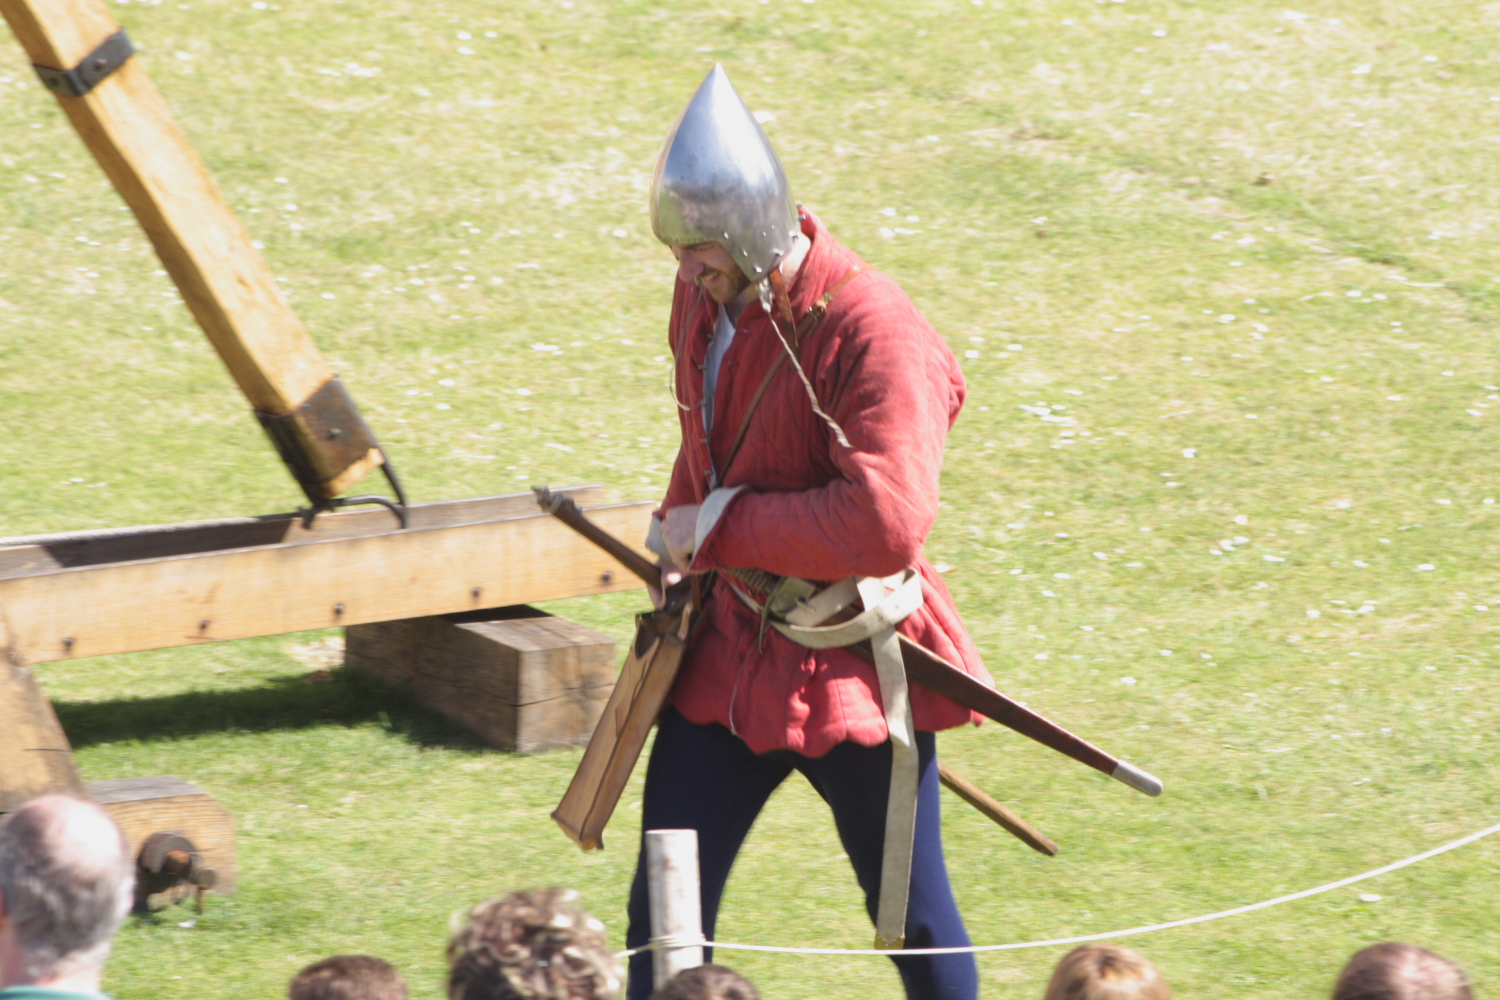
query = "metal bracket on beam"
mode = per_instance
[
  {"x": 91, "y": 72},
  {"x": 321, "y": 439}
]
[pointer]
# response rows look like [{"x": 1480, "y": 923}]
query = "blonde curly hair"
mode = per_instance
[{"x": 534, "y": 945}]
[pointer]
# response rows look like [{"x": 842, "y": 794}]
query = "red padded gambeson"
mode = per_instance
[{"x": 814, "y": 508}]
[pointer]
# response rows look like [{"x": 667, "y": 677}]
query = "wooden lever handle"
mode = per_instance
[{"x": 564, "y": 509}]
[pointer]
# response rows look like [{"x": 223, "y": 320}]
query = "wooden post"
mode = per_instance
[
  {"x": 676, "y": 902},
  {"x": 204, "y": 247},
  {"x": 519, "y": 678},
  {"x": 35, "y": 756}
]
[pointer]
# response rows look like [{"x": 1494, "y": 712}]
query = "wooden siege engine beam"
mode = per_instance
[
  {"x": 70, "y": 596},
  {"x": 82, "y": 55}
]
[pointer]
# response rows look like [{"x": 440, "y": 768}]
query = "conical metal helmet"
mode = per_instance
[{"x": 718, "y": 180}]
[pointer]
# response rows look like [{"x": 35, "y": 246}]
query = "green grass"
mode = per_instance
[{"x": 1103, "y": 185}]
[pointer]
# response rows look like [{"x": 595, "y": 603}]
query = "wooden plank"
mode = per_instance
[
  {"x": 271, "y": 589},
  {"x": 37, "y": 554},
  {"x": 519, "y": 678},
  {"x": 35, "y": 756},
  {"x": 162, "y": 804},
  {"x": 128, "y": 127}
]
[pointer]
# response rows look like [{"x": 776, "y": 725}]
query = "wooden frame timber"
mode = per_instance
[
  {"x": 35, "y": 756},
  {"x": 180, "y": 585},
  {"x": 204, "y": 247}
]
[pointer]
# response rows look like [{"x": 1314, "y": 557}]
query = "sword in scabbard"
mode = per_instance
[{"x": 937, "y": 675}]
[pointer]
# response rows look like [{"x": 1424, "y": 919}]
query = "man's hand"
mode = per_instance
[
  {"x": 679, "y": 529},
  {"x": 670, "y": 576}
]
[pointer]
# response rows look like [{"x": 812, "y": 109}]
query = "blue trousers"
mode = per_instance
[{"x": 705, "y": 778}]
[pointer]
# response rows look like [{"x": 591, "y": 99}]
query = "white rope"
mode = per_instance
[
  {"x": 672, "y": 942},
  {"x": 1108, "y": 934}
]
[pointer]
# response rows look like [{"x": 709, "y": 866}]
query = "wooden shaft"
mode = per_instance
[
  {"x": 224, "y": 282},
  {"x": 1013, "y": 824},
  {"x": 565, "y": 510},
  {"x": 937, "y": 675},
  {"x": 127, "y": 126},
  {"x": 676, "y": 905}
]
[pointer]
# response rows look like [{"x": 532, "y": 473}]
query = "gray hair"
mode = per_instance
[{"x": 66, "y": 881}]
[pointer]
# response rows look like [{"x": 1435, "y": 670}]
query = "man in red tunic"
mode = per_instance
[{"x": 815, "y": 400}]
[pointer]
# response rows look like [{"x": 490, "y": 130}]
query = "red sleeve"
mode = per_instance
[
  {"x": 680, "y": 488},
  {"x": 895, "y": 388}
]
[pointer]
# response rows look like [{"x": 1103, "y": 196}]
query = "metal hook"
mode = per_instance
[{"x": 397, "y": 506}]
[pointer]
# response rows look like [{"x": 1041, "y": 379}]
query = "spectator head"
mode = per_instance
[
  {"x": 66, "y": 883},
  {"x": 1395, "y": 971},
  {"x": 348, "y": 977},
  {"x": 706, "y": 982},
  {"x": 1106, "y": 972},
  {"x": 537, "y": 945}
]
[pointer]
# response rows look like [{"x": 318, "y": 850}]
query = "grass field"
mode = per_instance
[{"x": 1224, "y": 277}]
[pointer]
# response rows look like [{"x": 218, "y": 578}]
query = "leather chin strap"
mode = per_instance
[{"x": 887, "y": 602}]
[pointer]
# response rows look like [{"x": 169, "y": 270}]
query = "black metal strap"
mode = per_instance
[{"x": 91, "y": 72}]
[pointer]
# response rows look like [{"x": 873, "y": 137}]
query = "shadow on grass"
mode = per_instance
[{"x": 321, "y": 698}]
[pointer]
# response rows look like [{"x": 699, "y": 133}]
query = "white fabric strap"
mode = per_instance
[
  {"x": 901, "y": 806},
  {"x": 709, "y": 513},
  {"x": 877, "y": 623},
  {"x": 881, "y": 614},
  {"x": 825, "y": 603}
]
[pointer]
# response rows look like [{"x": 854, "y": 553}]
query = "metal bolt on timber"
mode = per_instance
[{"x": 676, "y": 903}]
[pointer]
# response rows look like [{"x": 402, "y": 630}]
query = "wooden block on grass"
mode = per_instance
[
  {"x": 519, "y": 678},
  {"x": 143, "y": 806}
]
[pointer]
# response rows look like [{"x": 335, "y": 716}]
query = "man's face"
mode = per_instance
[{"x": 709, "y": 266}]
